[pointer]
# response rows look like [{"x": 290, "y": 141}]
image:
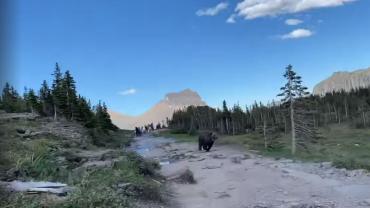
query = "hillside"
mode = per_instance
[
  {"x": 159, "y": 112},
  {"x": 344, "y": 81},
  {"x": 46, "y": 163}
]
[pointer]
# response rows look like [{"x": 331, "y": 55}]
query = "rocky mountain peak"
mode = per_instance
[
  {"x": 161, "y": 111},
  {"x": 344, "y": 80}
]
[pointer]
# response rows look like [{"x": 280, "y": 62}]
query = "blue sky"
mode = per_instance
[{"x": 153, "y": 47}]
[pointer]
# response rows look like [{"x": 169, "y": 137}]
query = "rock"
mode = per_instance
[
  {"x": 286, "y": 161},
  {"x": 185, "y": 176},
  {"x": 326, "y": 165},
  {"x": 20, "y": 131},
  {"x": 222, "y": 195},
  {"x": 365, "y": 202},
  {"x": 213, "y": 166},
  {"x": 39, "y": 187},
  {"x": 123, "y": 185},
  {"x": 236, "y": 160},
  {"x": 285, "y": 171},
  {"x": 218, "y": 156}
]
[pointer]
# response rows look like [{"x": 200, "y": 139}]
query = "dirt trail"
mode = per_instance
[{"x": 230, "y": 177}]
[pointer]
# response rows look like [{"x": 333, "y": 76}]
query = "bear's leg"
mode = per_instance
[{"x": 200, "y": 146}]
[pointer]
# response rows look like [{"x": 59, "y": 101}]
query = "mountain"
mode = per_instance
[
  {"x": 344, "y": 81},
  {"x": 159, "y": 112}
]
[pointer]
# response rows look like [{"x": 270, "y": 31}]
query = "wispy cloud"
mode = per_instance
[
  {"x": 251, "y": 9},
  {"x": 298, "y": 33},
  {"x": 231, "y": 19},
  {"x": 293, "y": 22},
  {"x": 130, "y": 91},
  {"x": 213, "y": 10}
]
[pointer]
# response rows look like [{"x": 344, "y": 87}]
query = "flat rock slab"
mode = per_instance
[{"x": 38, "y": 187}]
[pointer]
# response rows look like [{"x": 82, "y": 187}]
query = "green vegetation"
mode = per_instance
[
  {"x": 61, "y": 101},
  {"x": 345, "y": 146},
  {"x": 334, "y": 127},
  {"x": 129, "y": 179},
  {"x": 178, "y": 135}
]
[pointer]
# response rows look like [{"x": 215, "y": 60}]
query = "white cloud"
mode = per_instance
[
  {"x": 298, "y": 33},
  {"x": 213, "y": 10},
  {"x": 251, "y": 9},
  {"x": 293, "y": 21},
  {"x": 130, "y": 91},
  {"x": 231, "y": 19}
]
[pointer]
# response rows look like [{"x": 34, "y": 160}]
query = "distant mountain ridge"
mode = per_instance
[
  {"x": 343, "y": 81},
  {"x": 159, "y": 112}
]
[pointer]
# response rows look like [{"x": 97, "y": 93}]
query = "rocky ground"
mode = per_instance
[{"x": 230, "y": 177}]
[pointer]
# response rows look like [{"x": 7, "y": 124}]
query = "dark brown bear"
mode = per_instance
[{"x": 206, "y": 141}]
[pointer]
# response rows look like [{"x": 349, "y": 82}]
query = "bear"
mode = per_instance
[{"x": 206, "y": 140}]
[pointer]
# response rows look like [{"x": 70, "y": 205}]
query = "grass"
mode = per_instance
[
  {"x": 38, "y": 159},
  {"x": 100, "y": 187},
  {"x": 343, "y": 145},
  {"x": 179, "y": 136}
]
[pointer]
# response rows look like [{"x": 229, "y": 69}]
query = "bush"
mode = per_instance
[
  {"x": 145, "y": 167},
  {"x": 40, "y": 163},
  {"x": 351, "y": 164}
]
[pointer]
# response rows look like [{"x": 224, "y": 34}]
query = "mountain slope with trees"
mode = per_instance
[
  {"x": 60, "y": 101},
  {"x": 297, "y": 113}
]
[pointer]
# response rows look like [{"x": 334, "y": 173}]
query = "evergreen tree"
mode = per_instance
[
  {"x": 69, "y": 88},
  {"x": 46, "y": 99},
  {"x": 58, "y": 93},
  {"x": 32, "y": 101},
  {"x": 292, "y": 90},
  {"x": 84, "y": 113},
  {"x": 103, "y": 118},
  {"x": 11, "y": 101}
]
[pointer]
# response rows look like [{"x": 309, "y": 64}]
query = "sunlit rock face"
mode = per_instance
[
  {"x": 344, "y": 81},
  {"x": 159, "y": 112}
]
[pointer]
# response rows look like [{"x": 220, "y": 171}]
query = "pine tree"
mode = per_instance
[
  {"x": 59, "y": 100},
  {"x": 46, "y": 99},
  {"x": 84, "y": 113},
  {"x": 69, "y": 88},
  {"x": 32, "y": 101},
  {"x": 11, "y": 101},
  {"x": 292, "y": 90},
  {"x": 103, "y": 118}
]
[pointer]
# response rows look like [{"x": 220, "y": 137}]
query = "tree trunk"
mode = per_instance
[
  {"x": 346, "y": 108},
  {"x": 55, "y": 112},
  {"x": 293, "y": 126},
  {"x": 264, "y": 132},
  {"x": 363, "y": 118},
  {"x": 285, "y": 125}
]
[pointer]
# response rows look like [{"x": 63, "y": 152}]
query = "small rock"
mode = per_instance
[
  {"x": 285, "y": 171},
  {"x": 223, "y": 195},
  {"x": 213, "y": 166},
  {"x": 20, "y": 131},
  {"x": 236, "y": 160},
  {"x": 123, "y": 185},
  {"x": 365, "y": 202},
  {"x": 218, "y": 156},
  {"x": 325, "y": 165}
]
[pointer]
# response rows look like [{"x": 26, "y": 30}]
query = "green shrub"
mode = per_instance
[
  {"x": 40, "y": 163},
  {"x": 351, "y": 164}
]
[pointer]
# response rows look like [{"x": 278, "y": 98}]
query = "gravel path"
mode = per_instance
[{"x": 230, "y": 177}]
